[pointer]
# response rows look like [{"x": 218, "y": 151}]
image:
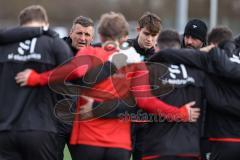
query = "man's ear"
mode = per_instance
[{"x": 71, "y": 31}]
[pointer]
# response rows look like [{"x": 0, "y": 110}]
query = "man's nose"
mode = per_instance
[
  {"x": 189, "y": 40},
  {"x": 82, "y": 37},
  {"x": 150, "y": 38}
]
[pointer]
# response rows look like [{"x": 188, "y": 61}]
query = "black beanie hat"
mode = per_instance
[{"x": 197, "y": 29}]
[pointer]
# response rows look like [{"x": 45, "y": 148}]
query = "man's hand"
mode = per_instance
[
  {"x": 86, "y": 109},
  {"x": 193, "y": 113},
  {"x": 207, "y": 48},
  {"x": 22, "y": 77}
]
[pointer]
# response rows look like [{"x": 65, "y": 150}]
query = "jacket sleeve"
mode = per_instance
[
  {"x": 215, "y": 62},
  {"x": 190, "y": 57},
  {"x": 18, "y": 34},
  {"x": 78, "y": 67},
  {"x": 73, "y": 69},
  {"x": 223, "y": 65}
]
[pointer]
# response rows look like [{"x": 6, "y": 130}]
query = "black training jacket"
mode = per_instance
[
  {"x": 24, "y": 108},
  {"x": 222, "y": 87},
  {"x": 173, "y": 138}
]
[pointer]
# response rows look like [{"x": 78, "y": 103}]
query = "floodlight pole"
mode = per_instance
[
  {"x": 213, "y": 13},
  {"x": 181, "y": 15}
]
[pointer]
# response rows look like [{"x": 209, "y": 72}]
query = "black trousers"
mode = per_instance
[
  {"x": 137, "y": 140},
  {"x": 178, "y": 158},
  {"x": 175, "y": 158},
  {"x": 225, "y": 151},
  {"x": 28, "y": 145},
  {"x": 206, "y": 149},
  {"x": 86, "y": 152},
  {"x": 63, "y": 137}
]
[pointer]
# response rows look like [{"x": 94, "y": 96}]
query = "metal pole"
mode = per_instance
[
  {"x": 181, "y": 14},
  {"x": 213, "y": 13}
]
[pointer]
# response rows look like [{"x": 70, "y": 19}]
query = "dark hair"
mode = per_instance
[
  {"x": 168, "y": 39},
  {"x": 84, "y": 21},
  {"x": 151, "y": 21},
  {"x": 33, "y": 13},
  {"x": 113, "y": 26},
  {"x": 220, "y": 34}
]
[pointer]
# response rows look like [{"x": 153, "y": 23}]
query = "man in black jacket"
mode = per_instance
[
  {"x": 27, "y": 122},
  {"x": 222, "y": 93},
  {"x": 195, "y": 37},
  {"x": 221, "y": 121},
  {"x": 81, "y": 33},
  {"x": 195, "y": 34},
  {"x": 165, "y": 140},
  {"x": 149, "y": 26}
]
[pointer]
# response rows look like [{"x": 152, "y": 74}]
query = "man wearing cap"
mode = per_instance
[
  {"x": 195, "y": 37},
  {"x": 195, "y": 33}
]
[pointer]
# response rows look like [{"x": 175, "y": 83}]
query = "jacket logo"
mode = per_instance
[
  {"x": 177, "y": 70},
  {"x": 23, "y": 46},
  {"x": 178, "y": 75},
  {"x": 23, "y": 51},
  {"x": 235, "y": 59}
]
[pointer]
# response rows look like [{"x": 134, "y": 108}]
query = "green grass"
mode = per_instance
[{"x": 67, "y": 154}]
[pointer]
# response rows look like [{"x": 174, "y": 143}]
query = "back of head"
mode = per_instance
[
  {"x": 113, "y": 26},
  {"x": 196, "y": 29},
  {"x": 151, "y": 22},
  {"x": 219, "y": 35},
  {"x": 34, "y": 13},
  {"x": 168, "y": 39},
  {"x": 83, "y": 21},
  {"x": 223, "y": 38}
]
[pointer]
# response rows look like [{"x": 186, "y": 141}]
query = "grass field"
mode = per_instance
[{"x": 67, "y": 154}]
